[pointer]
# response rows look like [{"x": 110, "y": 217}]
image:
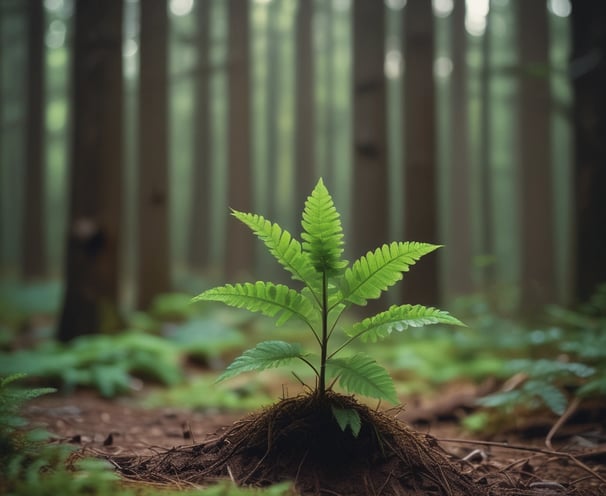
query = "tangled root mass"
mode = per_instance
[{"x": 298, "y": 439}]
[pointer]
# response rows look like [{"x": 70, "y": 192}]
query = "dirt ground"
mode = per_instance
[{"x": 574, "y": 466}]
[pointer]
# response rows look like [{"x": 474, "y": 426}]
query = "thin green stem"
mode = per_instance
[
  {"x": 334, "y": 324},
  {"x": 346, "y": 343},
  {"x": 324, "y": 344},
  {"x": 310, "y": 364}
]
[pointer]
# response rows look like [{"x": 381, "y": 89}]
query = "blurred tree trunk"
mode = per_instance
[
  {"x": 239, "y": 254},
  {"x": 370, "y": 181},
  {"x": 92, "y": 265},
  {"x": 458, "y": 277},
  {"x": 420, "y": 285},
  {"x": 153, "y": 265},
  {"x": 588, "y": 72},
  {"x": 487, "y": 221},
  {"x": 538, "y": 280},
  {"x": 200, "y": 223},
  {"x": 329, "y": 139},
  {"x": 273, "y": 104},
  {"x": 34, "y": 254},
  {"x": 304, "y": 112}
]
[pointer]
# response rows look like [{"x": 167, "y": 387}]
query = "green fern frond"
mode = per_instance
[
  {"x": 286, "y": 249},
  {"x": 266, "y": 355},
  {"x": 549, "y": 394},
  {"x": 363, "y": 375},
  {"x": 347, "y": 417},
  {"x": 19, "y": 395},
  {"x": 376, "y": 271},
  {"x": 399, "y": 318},
  {"x": 263, "y": 297},
  {"x": 322, "y": 231}
]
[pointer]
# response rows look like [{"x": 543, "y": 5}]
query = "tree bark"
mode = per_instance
[
  {"x": 588, "y": 72},
  {"x": 371, "y": 208},
  {"x": 458, "y": 279},
  {"x": 538, "y": 281},
  {"x": 34, "y": 254},
  {"x": 486, "y": 185},
  {"x": 200, "y": 224},
  {"x": 304, "y": 118},
  {"x": 92, "y": 265},
  {"x": 153, "y": 259},
  {"x": 420, "y": 178},
  {"x": 272, "y": 111},
  {"x": 239, "y": 250}
]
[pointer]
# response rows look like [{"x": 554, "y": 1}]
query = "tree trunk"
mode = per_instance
[
  {"x": 420, "y": 177},
  {"x": 34, "y": 254},
  {"x": 272, "y": 111},
  {"x": 370, "y": 193},
  {"x": 588, "y": 72},
  {"x": 538, "y": 275},
  {"x": 330, "y": 173},
  {"x": 200, "y": 223},
  {"x": 92, "y": 276},
  {"x": 486, "y": 189},
  {"x": 153, "y": 265},
  {"x": 239, "y": 251},
  {"x": 304, "y": 112},
  {"x": 458, "y": 279}
]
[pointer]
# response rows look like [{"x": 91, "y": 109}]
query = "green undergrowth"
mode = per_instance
[
  {"x": 153, "y": 349},
  {"x": 30, "y": 465},
  {"x": 200, "y": 393},
  {"x": 547, "y": 368}
]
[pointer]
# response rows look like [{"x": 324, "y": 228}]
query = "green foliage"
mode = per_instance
[
  {"x": 171, "y": 306},
  {"x": 377, "y": 271},
  {"x": 265, "y": 355},
  {"x": 12, "y": 439},
  {"x": 578, "y": 341},
  {"x": 201, "y": 393},
  {"x": 399, "y": 318},
  {"x": 362, "y": 374},
  {"x": 330, "y": 286},
  {"x": 29, "y": 465},
  {"x": 347, "y": 417},
  {"x": 264, "y": 297},
  {"x": 108, "y": 363},
  {"x": 541, "y": 387}
]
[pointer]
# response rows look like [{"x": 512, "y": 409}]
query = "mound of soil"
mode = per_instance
[{"x": 298, "y": 439}]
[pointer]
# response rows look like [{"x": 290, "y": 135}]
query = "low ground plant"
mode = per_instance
[{"x": 328, "y": 286}]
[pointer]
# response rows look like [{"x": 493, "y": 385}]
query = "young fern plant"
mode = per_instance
[{"x": 329, "y": 286}]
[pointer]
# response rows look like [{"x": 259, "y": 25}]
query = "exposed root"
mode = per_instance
[{"x": 299, "y": 440}]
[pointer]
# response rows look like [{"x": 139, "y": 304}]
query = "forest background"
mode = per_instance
[{"x": 129, "y": 128}]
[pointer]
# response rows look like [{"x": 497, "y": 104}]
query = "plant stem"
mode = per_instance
[{"x": 324, "y": 343}]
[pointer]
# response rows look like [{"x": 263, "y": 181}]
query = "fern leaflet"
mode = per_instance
[
  {"x": 399, "y": 318},
  {"x": 322, "y": 232},
  {"x": 266, "y": 355},
  {"x": 363, "y": 375},
  {"x": 286, "y": 250},
  {"x": 376, "y": 271},
  {"x": 347, "y": 417},
  {"x": 263, "y": 297}
]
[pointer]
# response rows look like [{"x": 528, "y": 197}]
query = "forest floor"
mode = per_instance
[{"x": 510, "y": 463}]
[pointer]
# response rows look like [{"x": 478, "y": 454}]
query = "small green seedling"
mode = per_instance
[{"x": 329, "y": 287}]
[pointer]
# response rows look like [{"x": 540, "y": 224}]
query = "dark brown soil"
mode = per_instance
[{"x": 298, "y": 440}]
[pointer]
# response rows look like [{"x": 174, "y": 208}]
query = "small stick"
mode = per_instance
[
  {"x": 574, "y": 404},
  {"x": 559, "y": 454}
]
